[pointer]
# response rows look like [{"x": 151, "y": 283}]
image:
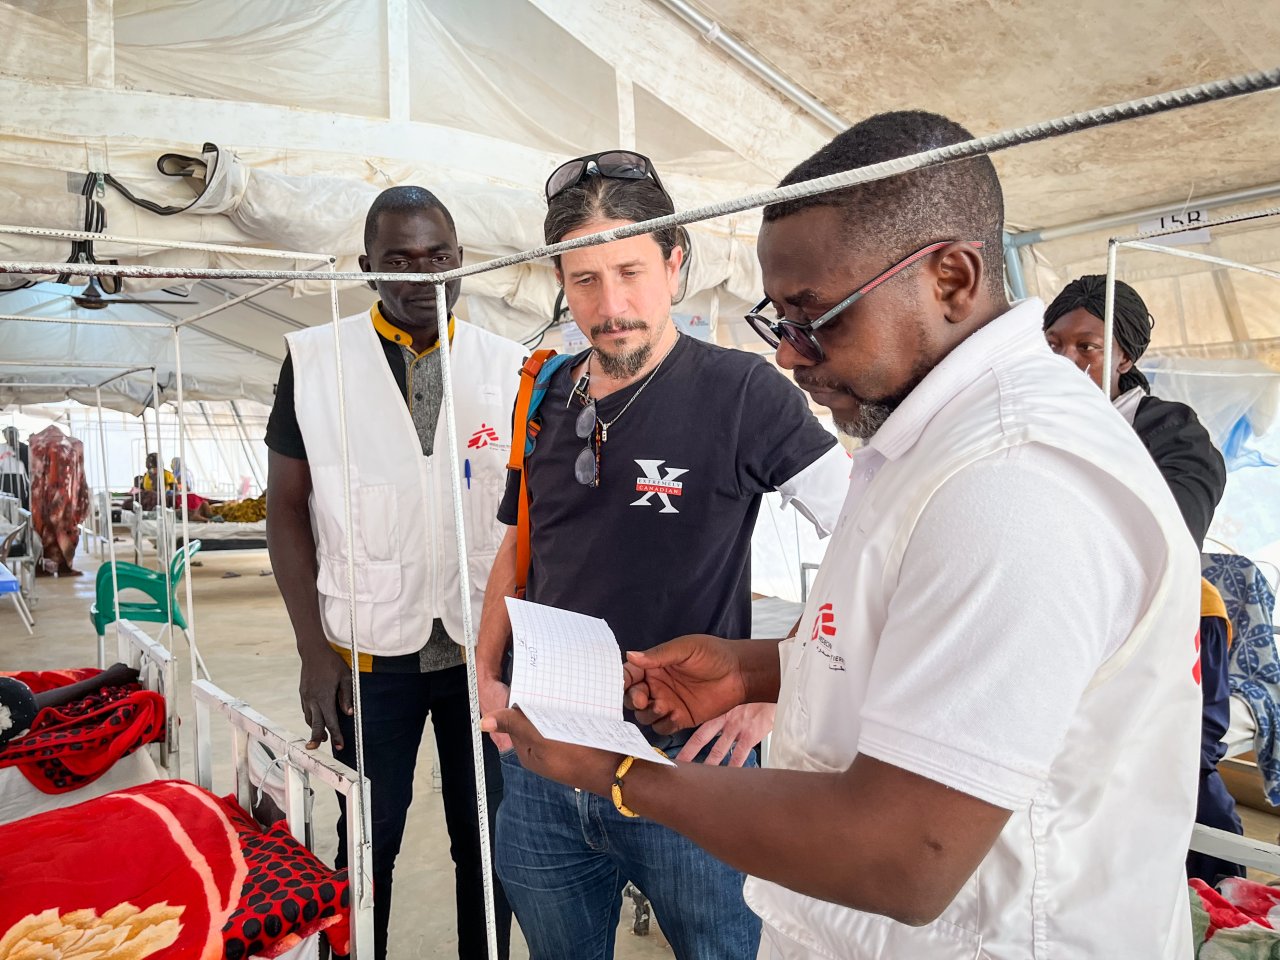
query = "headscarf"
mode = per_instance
[{"x": 1133, "y": 322}]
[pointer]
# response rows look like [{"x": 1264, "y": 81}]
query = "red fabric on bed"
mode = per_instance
[
  {"x": 41, "y": 680},
  {"x": 75, "y": 744},
  {"x": 289, "y": 895},
  {"x": 165, "y": 870}
]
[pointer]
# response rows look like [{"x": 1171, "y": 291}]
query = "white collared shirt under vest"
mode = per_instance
[
  {"x": 1009, "y": 606},
  {"x": 402, "y": 507}
]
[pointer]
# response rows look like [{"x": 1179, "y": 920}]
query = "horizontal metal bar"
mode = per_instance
[
  {"x": 1202, "y": 257},
  {"x": 1086, "y": 120},
  {"x": 314, "y": 763},
  {"x": 1219, "y": 348},
  {"x": 63, "y": 385},
  {"x": 1046, "y": 234},
  {"x": 1234, "y": 848},
  {"x": 258, "y": 307},
  {"x": 230, "y": 303},
  {"x": 1221, "y": 222},
  {"x": 55, "y": 234},
  {"x": 713, "y": 33},
  {"x": 126, "y": 373},
  {"x": 87, "y": 364},
  {"x": 84, "y": 321}
]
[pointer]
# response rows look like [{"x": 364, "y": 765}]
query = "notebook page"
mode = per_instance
[
  {"x": 567, "y": 678},
  {"x": 564, "y": 661}
]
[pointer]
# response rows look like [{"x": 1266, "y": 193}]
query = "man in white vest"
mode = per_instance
[
  {"x": 408, "y": 608},
  {"x": 988, "y": 719}
]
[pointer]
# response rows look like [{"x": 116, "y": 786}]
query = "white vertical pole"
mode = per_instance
[
  {"x": 1109, "y": 319},
  {"x": 359, "y": 847},
  {"x": 181, "y": 492},
  {"x": 111, "y": 540},
  {"x": 204, "y": 745},
  {"x": 162, "y": 537},
  {"x": 468, "y": 631}
]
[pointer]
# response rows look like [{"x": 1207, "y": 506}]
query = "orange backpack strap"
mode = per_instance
[{"x": 519, "y": 442}]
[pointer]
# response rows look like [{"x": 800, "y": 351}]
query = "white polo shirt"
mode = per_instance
[{"x": 1008, "y": 607}]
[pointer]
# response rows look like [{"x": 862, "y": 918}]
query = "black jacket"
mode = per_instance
[{"x": 1187, "y": 458}]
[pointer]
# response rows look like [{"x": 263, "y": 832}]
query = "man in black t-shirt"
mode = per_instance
[{"x": 644, "y": 486}]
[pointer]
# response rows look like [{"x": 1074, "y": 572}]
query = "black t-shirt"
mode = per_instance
[
  {"x": 1187, "y": 458},
  {"x": 663, "y": 546},
  {"x": 284, "y": 436}
]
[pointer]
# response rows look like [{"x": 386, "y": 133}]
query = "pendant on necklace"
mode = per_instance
[{"x": 604, "y": 432}]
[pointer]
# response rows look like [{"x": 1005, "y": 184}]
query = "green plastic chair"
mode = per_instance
[{"x": 130, "y": 576}]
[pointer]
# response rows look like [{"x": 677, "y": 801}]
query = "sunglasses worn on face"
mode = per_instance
[
  {"x": 612, "y": 164},
  {"x": 800, "y": 336}
]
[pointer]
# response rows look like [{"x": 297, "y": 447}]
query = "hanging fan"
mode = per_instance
[
  {"x": 97, "y": 294},
  {"x": 95, "y": 298}
]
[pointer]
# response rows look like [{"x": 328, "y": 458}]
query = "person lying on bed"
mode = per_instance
[
  {"x": 249, "y": 510},
  {"x": 1197, "y": 476},
  {"x": 19, "y": 706}
]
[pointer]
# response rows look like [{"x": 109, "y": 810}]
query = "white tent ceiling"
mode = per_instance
[{"x": 315, "y": 106}]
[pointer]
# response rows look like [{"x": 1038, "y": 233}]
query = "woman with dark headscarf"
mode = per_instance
[
  {"x": 1196, "y": 474},
  {"x": 1171, "y": 431}
]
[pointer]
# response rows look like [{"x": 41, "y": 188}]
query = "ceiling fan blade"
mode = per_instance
[{"x": 98, "y": 303}]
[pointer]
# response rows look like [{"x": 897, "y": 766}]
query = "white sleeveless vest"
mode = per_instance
[
  {"x": 401, "y": 504},
  {"x": 1111, "y": 826}
]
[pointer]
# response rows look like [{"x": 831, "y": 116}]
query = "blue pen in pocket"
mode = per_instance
[{"x": 466, "y": 471}]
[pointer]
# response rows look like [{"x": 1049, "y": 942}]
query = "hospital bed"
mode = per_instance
[
  {"x": 237, "y": 871},
  {"x": 145, "y": 526},
  {"x": 20, "y": 798}
]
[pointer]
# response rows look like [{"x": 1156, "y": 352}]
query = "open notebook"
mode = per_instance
[{"x": 567, "y": 678}]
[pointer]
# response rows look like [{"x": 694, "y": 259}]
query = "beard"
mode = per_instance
[
  {"x": 625, "y": 363},
  {"x": 871, "y": 417},
  {"x": 872, "y": 413}
]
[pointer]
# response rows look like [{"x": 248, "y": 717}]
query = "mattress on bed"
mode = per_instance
[
  {"x": 204, "y": 530},
  {"x": 19, "y": 798}
]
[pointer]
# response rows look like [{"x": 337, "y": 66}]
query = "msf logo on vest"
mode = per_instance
[
  {"x": 660, "y": 482},
  {"x": 824, "y": 635}
]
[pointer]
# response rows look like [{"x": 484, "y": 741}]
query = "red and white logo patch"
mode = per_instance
[
  {"x": 824, "y": 624},
  {"x": 482, "y": 437},
  {"x": 662, "y": 484},
  {"x": 823, "y": 636}
]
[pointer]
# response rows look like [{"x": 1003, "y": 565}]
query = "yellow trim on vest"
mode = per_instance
[
  {"x": 366, "y": 659},
  {"x": 389, "y": 331},
  {"x": 1212, "y": 605}
]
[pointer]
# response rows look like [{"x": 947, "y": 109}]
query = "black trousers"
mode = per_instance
[
  {"x": 1215, "y": 807},
  {"x": 395, "y": 707}
]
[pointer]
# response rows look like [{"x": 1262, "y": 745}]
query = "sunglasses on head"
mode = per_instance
[
  {"x": 800, "y": 336},
  {"x": 611, "y": 164}
]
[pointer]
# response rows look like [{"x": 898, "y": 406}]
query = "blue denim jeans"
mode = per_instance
[{"x": 564, "y": 858}]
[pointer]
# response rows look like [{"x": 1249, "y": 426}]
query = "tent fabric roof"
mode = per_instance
[{"x": 315, "y": 106}]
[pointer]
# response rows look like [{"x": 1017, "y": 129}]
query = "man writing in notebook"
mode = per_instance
[{"x": 644, "y": 483}]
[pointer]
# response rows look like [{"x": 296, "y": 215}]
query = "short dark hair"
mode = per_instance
[
  {"x": 961, "y": 200},
  {"x": 406, "y": 199},
  {"x": 604, "y": 198}
]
